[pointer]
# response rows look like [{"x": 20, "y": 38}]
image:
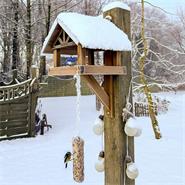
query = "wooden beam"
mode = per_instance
[
  {"x": 64, "y": 45},
  {"x": 103, "y": 70},
  {"x": 63, "y": 71},
  {"x": 64, "y": 36},
  {"x": 60, "y": 40},
  {"x": 97, "y": 89},
  {"x": 87, "y": 70},
  {"x": 56, "y": 57},
  {"x": 60, "y": 32},
  {"x": 117, "y": 58},
  {"x": 108, "y": 80},
  {"x": 67, "y": 40},
  {"x": 81, "y": 52}
]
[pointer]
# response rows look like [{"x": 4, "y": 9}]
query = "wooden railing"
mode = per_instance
[
  {"x": 17, "y": 109},
  {"x": 12, "y": 92}
]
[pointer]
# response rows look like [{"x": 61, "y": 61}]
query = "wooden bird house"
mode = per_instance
[{"x": 81, "y": 35}]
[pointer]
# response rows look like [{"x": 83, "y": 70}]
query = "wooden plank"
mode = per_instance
[
  {"x": 12, "y": 122},
  {"x": 17, "y": 131},
  {"x": 17, "y": 123},
  {"x": 13, "y": 113},
  {"x": 13, "y": 107},
  {"x": 97, "y": 89},
  {"x": 87, "y": 70},
  {"x": 19, "y": 107},
  {"x": 14, "y": 116},
  {"x": 103, "y": 70},
  {"x": 63, "y": 71},
  {"x": 56, "y": 57},
  {"x": 69, "y": 50}
]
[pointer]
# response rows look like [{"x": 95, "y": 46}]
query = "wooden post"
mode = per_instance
[
  {"x": 33, "y": 96},
  {"x": 56, "y": 57},
  {"x": 115, "y": 138}
]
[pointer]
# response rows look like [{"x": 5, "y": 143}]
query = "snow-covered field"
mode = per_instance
[{"x": 39, "y": 161}]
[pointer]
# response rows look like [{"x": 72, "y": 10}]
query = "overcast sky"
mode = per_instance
[{"x": 169, "y": 5}]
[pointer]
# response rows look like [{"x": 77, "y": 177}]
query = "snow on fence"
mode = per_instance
[
  {"x": 141, "y": 109},
  {"x": 17, "y": 109}
]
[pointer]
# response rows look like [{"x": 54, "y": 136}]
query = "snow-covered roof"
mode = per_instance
[
  {"x": 116, "y": 4},
  {"x": 89, "y": 31}
]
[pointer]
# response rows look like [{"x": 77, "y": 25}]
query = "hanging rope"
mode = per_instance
[
  {"x": 144, "y": 82},
  {"x": 78, "y": 91},
  {"x": 78, "y": 142}
]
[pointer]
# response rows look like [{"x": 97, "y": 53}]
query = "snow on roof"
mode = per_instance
[
  {"x": 116, "y": 4},
  {"x": 91, "y": 32}
]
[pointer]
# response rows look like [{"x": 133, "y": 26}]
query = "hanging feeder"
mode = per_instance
[
  {"x": 132, "y": 171},
  {"x": 132, "y": 129},
  {"x": 78, "y": 159},
  {"x": 98, "y": 127},
  {"x": 99, "y": 166}
]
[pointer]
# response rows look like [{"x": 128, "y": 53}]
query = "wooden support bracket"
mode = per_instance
[{"x": 98, "y": 90}]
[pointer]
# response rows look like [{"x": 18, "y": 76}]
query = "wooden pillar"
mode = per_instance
[
  {"x": 81, "y": 55},
  {"x": 56, "y": 57},
  {"x": 90, "y": 54},
  {"x": 114, "y": 136},
  {"x": 33, "y": 96}
]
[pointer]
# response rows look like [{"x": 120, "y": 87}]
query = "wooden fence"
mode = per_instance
[
  {"x": 17, "y": 109},
  {"x": 141, "y": 109}
]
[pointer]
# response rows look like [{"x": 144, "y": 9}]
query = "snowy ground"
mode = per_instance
[{"x": 39, "y": 161}]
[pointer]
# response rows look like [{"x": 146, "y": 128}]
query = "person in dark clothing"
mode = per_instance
[{"x": 44, "y": 123}]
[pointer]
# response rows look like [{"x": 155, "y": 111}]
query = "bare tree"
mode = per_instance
[{"x": 15, "y": 40}]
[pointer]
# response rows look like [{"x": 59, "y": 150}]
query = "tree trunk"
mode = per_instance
[
  {"x": 28, "y": 39},
  {"x": 6, "y": 52},
  {"x": 15, "y": 44},
  {"x": 48, "y": 18}
]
